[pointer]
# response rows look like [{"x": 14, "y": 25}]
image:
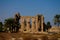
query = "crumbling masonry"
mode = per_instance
[{"x": 31, "y": 23}]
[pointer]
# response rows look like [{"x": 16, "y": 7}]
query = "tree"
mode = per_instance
[
  {"x": 57, "y": 20},
  {"x": 13, "y": 23},
  {"x": 9, "y": 22},
  {"x": 48, "y": 25},
  {"x": 1, "y": 26}
]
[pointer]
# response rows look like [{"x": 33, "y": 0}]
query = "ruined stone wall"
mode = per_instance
[{"x": 31, "y": 23}]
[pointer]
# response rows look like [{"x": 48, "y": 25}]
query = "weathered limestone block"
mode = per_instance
[
  {"x": 28, "y": 24},
  {"x": 22, "y": 23},
  {"x": 33, "y": 24},
  {"x": 42, "y": 20},
  {"x": 37, "y": 24}
]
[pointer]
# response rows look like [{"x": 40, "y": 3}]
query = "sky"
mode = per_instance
[{"x": 48, "y": 8}]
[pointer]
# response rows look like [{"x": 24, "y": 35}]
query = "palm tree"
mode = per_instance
[{"x": 57, "y": 19}]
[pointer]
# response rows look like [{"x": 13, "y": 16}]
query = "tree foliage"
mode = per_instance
[
  {"x": 47, "y": 26},
  {"x": 12, "y": 23},
  {"x": 57, "y": 19},
  {"x": 9, "y": 22}
]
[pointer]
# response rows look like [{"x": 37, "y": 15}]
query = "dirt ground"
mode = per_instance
[{"x": 26, "y": 36}]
